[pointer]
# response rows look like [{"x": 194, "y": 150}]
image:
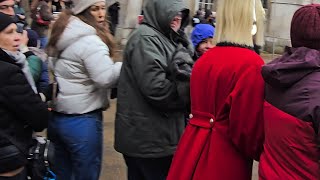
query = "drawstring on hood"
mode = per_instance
[{"x": 293, "y": 66}]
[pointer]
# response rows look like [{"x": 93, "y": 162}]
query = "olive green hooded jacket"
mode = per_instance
[{"x": 150, "y": 114}]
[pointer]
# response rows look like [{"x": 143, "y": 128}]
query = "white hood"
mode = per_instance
[{"x": 75, "y": 30}]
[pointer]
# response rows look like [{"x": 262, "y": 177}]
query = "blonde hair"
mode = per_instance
[
  {"x": 235, "y": 21},
  {"x": 259, "y": 37}
]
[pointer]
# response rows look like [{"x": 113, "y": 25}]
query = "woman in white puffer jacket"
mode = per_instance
[{"x": 85, "y": 73}]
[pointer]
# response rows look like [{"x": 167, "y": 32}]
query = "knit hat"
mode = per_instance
[
  {"x": 5, "y": 21},
  {"x": 305, "y": 27},
  {"x": 33, "y": 38},
  {"x": 81, "y": 5},
  {"x": 201, "y": 32}
]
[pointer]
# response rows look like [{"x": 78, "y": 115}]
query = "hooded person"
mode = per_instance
[
  {"x": 85, "y": 73},
  {"x": 202, "y": 38},
  {"x": 150, "y": 109},
  {"x": 225, "y": 129},
  {"x": 291, "y": 149},
  {"x": 113, "y": 15}
]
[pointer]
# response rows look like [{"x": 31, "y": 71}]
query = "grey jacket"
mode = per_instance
[
  {"x": 84, "y": 70},
  {"x": 150, "y": 113}
]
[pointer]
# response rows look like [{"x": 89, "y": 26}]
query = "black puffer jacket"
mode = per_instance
[{"x": 21, "y": 112}]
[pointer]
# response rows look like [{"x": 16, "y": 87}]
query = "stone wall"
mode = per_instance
[
  {"x": 128, "y": 20},
  {"x": 279, "y": 17}
]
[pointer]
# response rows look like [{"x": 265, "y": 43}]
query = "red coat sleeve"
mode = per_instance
[{"x": 246, "y": 112}]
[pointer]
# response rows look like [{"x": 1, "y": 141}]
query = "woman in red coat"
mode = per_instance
[
  {"x": 291, "y": 150},
  {"x": 225, "y": 132}
]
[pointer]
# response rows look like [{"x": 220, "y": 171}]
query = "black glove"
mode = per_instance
[
  {"x": 180, "y": 69},
  {"x": 181, "y": 64}
]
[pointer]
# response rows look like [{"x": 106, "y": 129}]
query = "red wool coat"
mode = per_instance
[{"x": 225, "y": 133}]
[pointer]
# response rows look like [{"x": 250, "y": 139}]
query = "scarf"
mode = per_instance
[{"x": 20, "y": 59}]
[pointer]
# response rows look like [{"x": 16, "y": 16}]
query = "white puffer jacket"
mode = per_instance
[{"x": 84, "y": 70}]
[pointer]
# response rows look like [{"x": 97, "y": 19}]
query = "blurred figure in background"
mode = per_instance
[
  {"x": 41, "y": 18},
  {"x": 210, "y": 17},
  {"x": 113, "y": 17},
  {"x": 38, "y": 56},
  {"x": 20, "y": 14},
  {"x": 7, "y": 7},
  {"x": 198, "y": 18}
]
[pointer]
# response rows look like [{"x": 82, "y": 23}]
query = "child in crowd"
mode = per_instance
[{"x": 202, "y": 39}]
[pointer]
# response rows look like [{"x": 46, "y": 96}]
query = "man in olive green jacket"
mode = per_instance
[{"x": 150, "y": 110}]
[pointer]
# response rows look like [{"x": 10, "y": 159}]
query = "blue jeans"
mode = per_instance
[
  {"x": 43, "y": 42},
  {"x": 78, "y": 145}
]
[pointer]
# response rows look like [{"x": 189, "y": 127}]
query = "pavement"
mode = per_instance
[{"x": 113, "y": 166}]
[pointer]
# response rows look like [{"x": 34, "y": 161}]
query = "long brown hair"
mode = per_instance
[{"x": 60, "y": 25}]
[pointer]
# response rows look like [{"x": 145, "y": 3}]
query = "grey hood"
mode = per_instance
[
  {"x": 160, "y": 13},
  {"x": 75, "y": 30}
]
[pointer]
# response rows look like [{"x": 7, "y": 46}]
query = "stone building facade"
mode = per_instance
[{"x": 278, "y": 18}]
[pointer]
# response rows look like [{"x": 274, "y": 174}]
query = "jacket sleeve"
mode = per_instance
[
  {"x": 35, "y": 66},
  {"x": 23, "y": 102},
  {"x": 43, "y": 83},
  {"x": 149, "y": 67},
  {"x": 101, "y": 68},
  {"x": 246, "y": 112},
  {"x": 314, "y": 105}
]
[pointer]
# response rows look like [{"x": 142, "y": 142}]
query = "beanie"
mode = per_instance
[
  {"x": 201, "y": 32},
  {"x": 5, "y": 21},
  {"x": 305, "y": 27},
  {"x": 33, "y": 38},
  {"x": 80, "y": 5}
]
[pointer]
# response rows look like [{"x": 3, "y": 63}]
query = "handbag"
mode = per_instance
[{"x": 40, "y": 157}]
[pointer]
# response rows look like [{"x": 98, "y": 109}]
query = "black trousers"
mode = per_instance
[{"x": 148, "y": 168}]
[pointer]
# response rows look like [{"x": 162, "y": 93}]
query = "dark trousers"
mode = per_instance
[{"x": 148, "y": 168}]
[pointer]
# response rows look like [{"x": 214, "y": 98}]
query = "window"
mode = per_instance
[{"x": 206, "y": 4}]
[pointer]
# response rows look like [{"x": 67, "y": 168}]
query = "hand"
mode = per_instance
[{"x": 21, "y": 17}]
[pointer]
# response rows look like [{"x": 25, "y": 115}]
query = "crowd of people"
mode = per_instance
[{"x": 188, "y": 108}]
